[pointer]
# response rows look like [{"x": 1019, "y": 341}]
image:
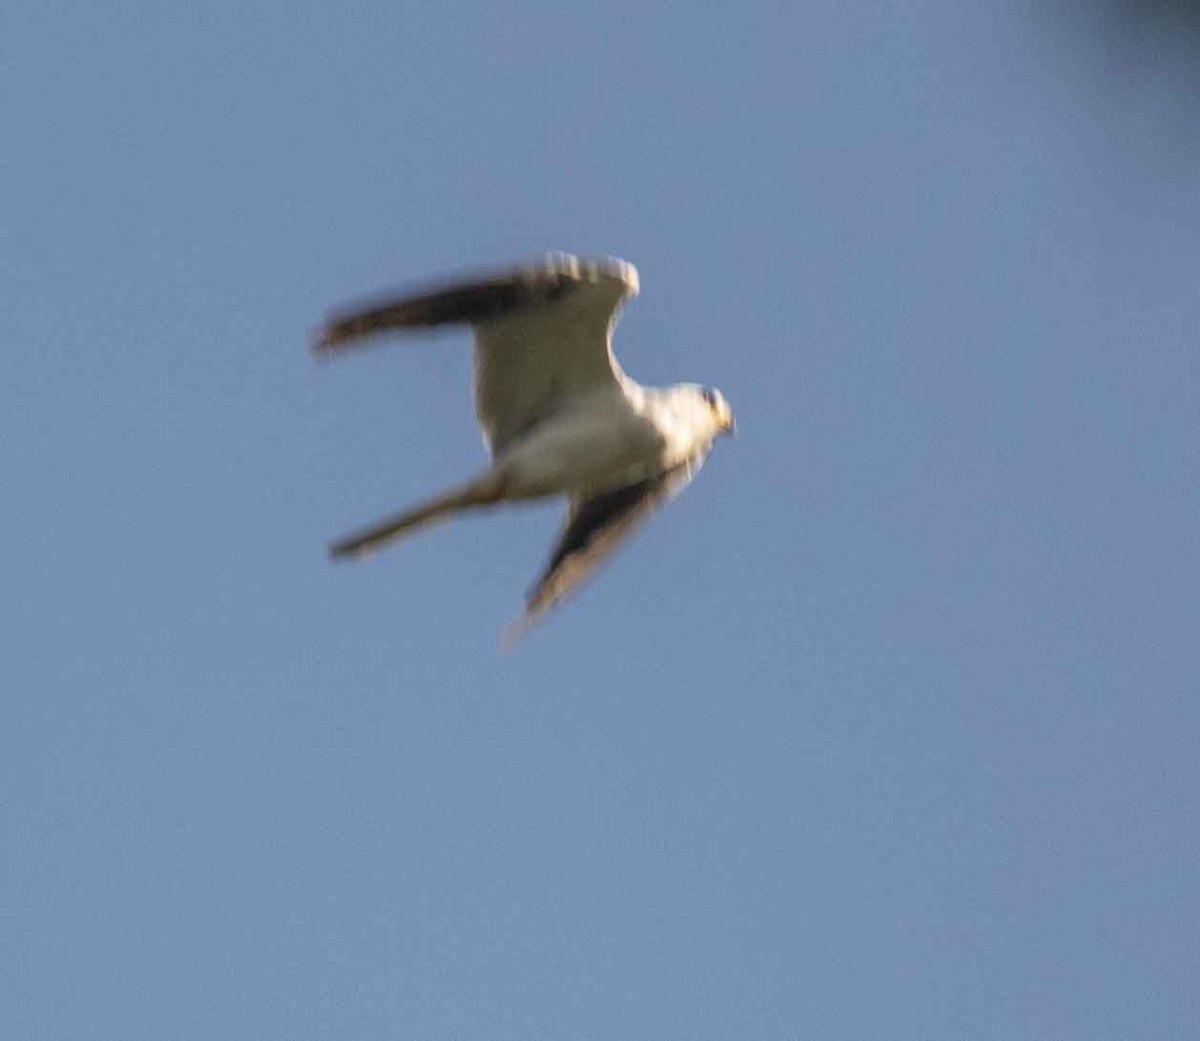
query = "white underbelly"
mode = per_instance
[{"x": 596, "y": 445}]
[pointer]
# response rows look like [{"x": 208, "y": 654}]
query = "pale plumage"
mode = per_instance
[{"x": 556, "y": 411}]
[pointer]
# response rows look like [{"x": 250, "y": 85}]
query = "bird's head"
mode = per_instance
[{"x": 722, "y": 414}]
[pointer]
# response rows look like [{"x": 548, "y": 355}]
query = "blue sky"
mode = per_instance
[{"x": 885, "y": 730}]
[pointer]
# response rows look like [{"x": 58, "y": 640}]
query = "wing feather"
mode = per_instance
[
  {"x": 473, "y": 302},
  {"x": 542, "y": 334},
  {"x": 594, "y": 530}
]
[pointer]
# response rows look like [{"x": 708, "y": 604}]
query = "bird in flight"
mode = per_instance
[{"x": 558, "y": 414}]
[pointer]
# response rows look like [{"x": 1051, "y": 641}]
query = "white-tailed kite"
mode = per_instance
[{"x": 557, "y": 412}]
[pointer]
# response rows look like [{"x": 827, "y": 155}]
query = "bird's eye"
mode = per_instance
[{"x": 711, "y": 397}]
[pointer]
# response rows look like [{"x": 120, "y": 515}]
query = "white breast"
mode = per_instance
[{"x": 600, "y": 442}]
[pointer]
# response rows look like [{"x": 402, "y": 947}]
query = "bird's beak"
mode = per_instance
[{"x": 729, "y": 426}]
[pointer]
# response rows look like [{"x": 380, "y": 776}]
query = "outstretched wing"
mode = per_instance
[
  {"x": 595, "y": 528},
  {"x": 542, "y": 334}
]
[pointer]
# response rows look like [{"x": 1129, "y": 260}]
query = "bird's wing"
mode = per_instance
[
  {"x": 594, "y": 528},
  {"x": 542, "y": 334}
]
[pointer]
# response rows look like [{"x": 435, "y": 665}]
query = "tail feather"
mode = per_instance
[{"x": 485, "y": 491}]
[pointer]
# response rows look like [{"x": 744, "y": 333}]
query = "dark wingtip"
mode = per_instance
[
  {"x": 320, "y": 343},
  {"x": 346, "y": 549},
  {"x": 515, "y": 631},
  {"x": 331, "y": 338}
]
